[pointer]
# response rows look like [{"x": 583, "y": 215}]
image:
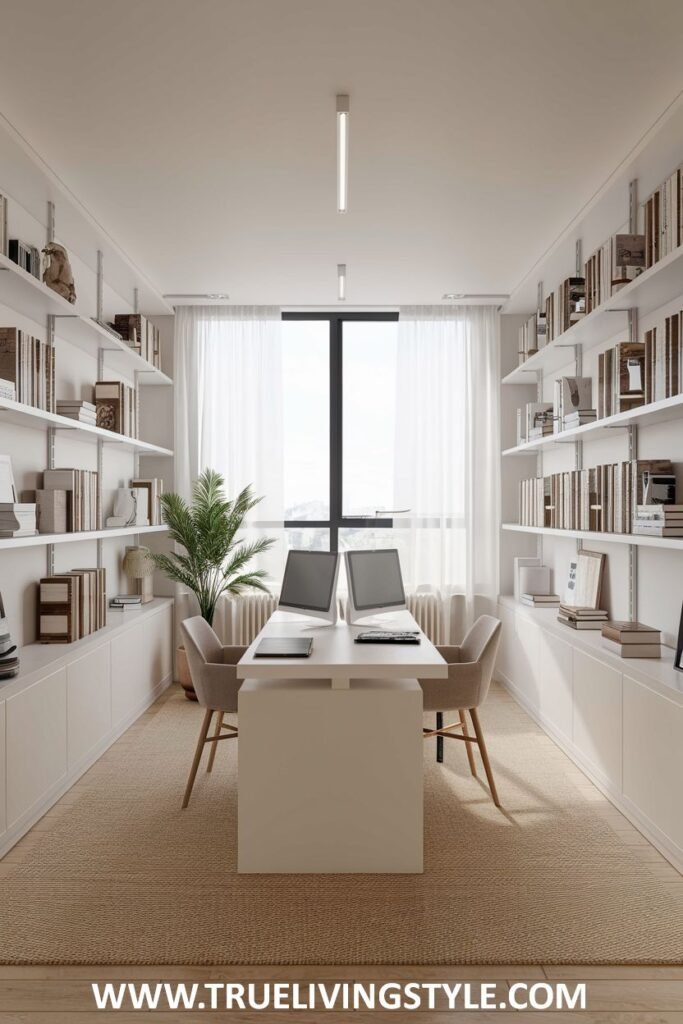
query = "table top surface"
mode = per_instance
[{"x": 335, "y": 654}]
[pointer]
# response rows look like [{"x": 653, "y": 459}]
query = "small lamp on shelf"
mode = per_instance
[{"x": 139, "y": 568}]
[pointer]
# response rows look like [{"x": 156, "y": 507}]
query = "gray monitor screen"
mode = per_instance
[
  {"x": 375, "y": 579},
  {"x": 308, "y": 580}
]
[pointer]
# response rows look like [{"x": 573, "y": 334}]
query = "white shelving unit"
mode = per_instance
[
  {"x": 637, "y": 540},
  {"x": 41, "y": 539}
]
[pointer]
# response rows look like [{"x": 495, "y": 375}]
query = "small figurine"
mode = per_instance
[{"x": 57, "y": 274}]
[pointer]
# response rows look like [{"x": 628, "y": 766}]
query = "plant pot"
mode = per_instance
[{"x": 184, "y": 677}]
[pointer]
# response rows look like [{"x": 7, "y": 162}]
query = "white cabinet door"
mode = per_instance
[
  {"x": 3, "y": 809},
  {"x": 88, "y": 703},
  {"x": 553, "y": 675},
  {"x": 130, "y": 657},
  {"x": 36, "y": 743},
  {"x": 525, "y": 660},
  {"x": 653, "y": 758},
  {"x": 597, "y": 716}
]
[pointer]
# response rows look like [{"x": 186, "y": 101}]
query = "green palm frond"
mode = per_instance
[{"x": 212, "y": 561}]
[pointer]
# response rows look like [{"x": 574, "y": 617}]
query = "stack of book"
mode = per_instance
[
  {"x": 632, "y": 640},
  {"x": 664, "y": 219},
  {"x": 71, "y": 605},
  {"x": 8, "y": 390},
  {"x": 25, "y": 256},
  {"x": 140, "y": 334},
  {"x": 28, "y": 363},
  {"x": 534, "y": 421},
  {"x": 531, "y": 336},
  {"x": 581, "y": 618},
  {"x": 17, "y": 520},
  {"x": 84, "y": 412},
  {"x": 9, "y": 658},
  {"x": 658, "y": 521},
  {"x": 612, "y": 266},
  {"x": 126, "y": 602},
  {"x": 664, "y": 359},
  {"x": 621, "y": 378},
  {"x": 572, "y": 402},
  {"x": 565, "y": 306},
  {"x": 116, "y": 407},
  {"x": 83, "y": 496},
  {"x": 540, "y": 600},
  {"x": 602, "y": 498}
]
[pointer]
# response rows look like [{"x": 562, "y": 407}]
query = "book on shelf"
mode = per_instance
[
  {"x": 540, "y": 600},
  {"x": 537, "y": 420},
  {"x": 663, "y": 375},
  {"x": 117, "y": 407},
  {"x": 29, "y": 364},
  {"x": 52, "y": 510},
  {"x": 140, "y": 334},
  {"x": 17, "y": 519},
  {"x": 25, "y": 256},
  {"x": 71, "y": 605},
  {"x": 577, "y": 617},
  {"x": 83, "y": 496},
  {"x": 571, "y": 395},
  {"x": 643, "y": 650},
  {"x": 663, "y": 219},
  {"x": 600, "y": 499},
  {"x": 613, "y": 265},
  {"x": 126, "y": 602},
  {"x": 84, "y": 412},
  {"x": 531, "y": 336},
  {"x": 629, "y": 632},
  {"x": 565, "y": 307},
  {"x": 578, "y": 419},
  {"x": 621, "y": 378},
  {"x": 153, "y": 488}
]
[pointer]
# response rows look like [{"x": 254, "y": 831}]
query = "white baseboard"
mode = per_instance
[
  {"x": 19, "y": 829},
  {"x": 654, "y": 835}
]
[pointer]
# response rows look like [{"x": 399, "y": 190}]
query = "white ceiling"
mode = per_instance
[{"x": 201, "y": 133}]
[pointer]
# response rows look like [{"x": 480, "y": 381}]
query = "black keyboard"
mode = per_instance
[{"x": 386, "y": 636}]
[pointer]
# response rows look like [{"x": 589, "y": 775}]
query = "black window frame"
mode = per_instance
[{"x": 337, "y": 520}]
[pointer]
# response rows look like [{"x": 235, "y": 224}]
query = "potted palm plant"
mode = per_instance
[{"x": 213, "y": 562}]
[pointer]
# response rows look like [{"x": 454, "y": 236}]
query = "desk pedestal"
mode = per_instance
[{"x": 330, "y": 780}]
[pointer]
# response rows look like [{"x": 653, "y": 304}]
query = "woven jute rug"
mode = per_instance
[{"x": 118, "y": 874}]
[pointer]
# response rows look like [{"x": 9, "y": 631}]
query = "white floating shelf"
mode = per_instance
[
  {"x": 42, "y": 539},
  {"x": 655, "y": 412},
  {"x": 25, "y": 294},
  {"x": 39, "y": 419},
  {"x": 601, "y": 538},
  {"x": 652, "y": 289}
]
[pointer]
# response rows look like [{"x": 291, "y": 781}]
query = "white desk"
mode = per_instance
[
  {"x": 330, "y": 777},
  {"x": 336, "y": 657}
]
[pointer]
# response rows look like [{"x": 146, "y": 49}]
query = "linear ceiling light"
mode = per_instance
[
  {"x": 341, "y": 281},
  {"x": 213, "y": 296},
  {"x": 342, "y": 153},
  {"x": 475, "y": 295}
]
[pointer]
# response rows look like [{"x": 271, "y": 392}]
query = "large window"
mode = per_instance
[{"x": 339, "y": 428}]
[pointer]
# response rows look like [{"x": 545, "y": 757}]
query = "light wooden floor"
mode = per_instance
[{"x": 616, "y": 995}]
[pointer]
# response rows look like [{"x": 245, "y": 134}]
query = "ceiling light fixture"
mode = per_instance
[
  {"x": 476, "y": 295},
  {"x": 342, "y": 153},
  {"x": 341, "y": 281},
  {"x": 211, "y": 296}
]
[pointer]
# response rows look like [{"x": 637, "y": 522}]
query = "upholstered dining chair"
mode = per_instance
[
  {"x": 470, "y": 668},
  {"x": 214, "y": 677}
]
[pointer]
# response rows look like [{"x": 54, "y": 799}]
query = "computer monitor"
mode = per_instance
[
  {"x": 375, "y": 583},
  {"x": 309, "y": 584}
]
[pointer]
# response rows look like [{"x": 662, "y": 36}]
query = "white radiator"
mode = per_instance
[{"x": 428, "y": 610}]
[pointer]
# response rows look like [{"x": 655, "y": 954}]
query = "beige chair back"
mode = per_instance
[
  {"x": 481, "y": 647},
  {"x": 212, "y": 666}
]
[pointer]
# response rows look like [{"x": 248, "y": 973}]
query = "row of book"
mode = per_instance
[
  {"x": 564, "y": 307},
  {"x": 71, "y": 605},
  {"x": 153, "y": 488},
  {"x": 621, "y": 378},
  {"x": 75, "y": 506},
  {"x": 658, "y": 520},
  {"x": 25, "y": 256},
  {"x": 612, "y": 266},
  {"x": 571, "y": 407},
  {"x": 531, "y": 336},
  {"x": 602, "y": 499},
  {"x": 141, "y": 335},
  {"x": 116, "y": 407},
  {"x": 663, "y": 359},
  {"x": 664, "y": 219},
  {"x": 29, "y": 364}
]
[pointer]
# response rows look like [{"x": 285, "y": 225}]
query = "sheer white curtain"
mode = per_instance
[
  {"x": 229, "y": 407},
  {"x": 447, "y": 447}
]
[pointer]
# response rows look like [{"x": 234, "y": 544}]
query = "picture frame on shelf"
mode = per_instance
[{"x": 584, "y": 579}]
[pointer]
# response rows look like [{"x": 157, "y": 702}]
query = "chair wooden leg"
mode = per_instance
[
  {"x": 484, "y": 755},
  {"x": 470, "y": 752},
  {"x": 203, "y": 732},
  {"x": 219, "y": 724},
  {"x": 439, "y": 739}
]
